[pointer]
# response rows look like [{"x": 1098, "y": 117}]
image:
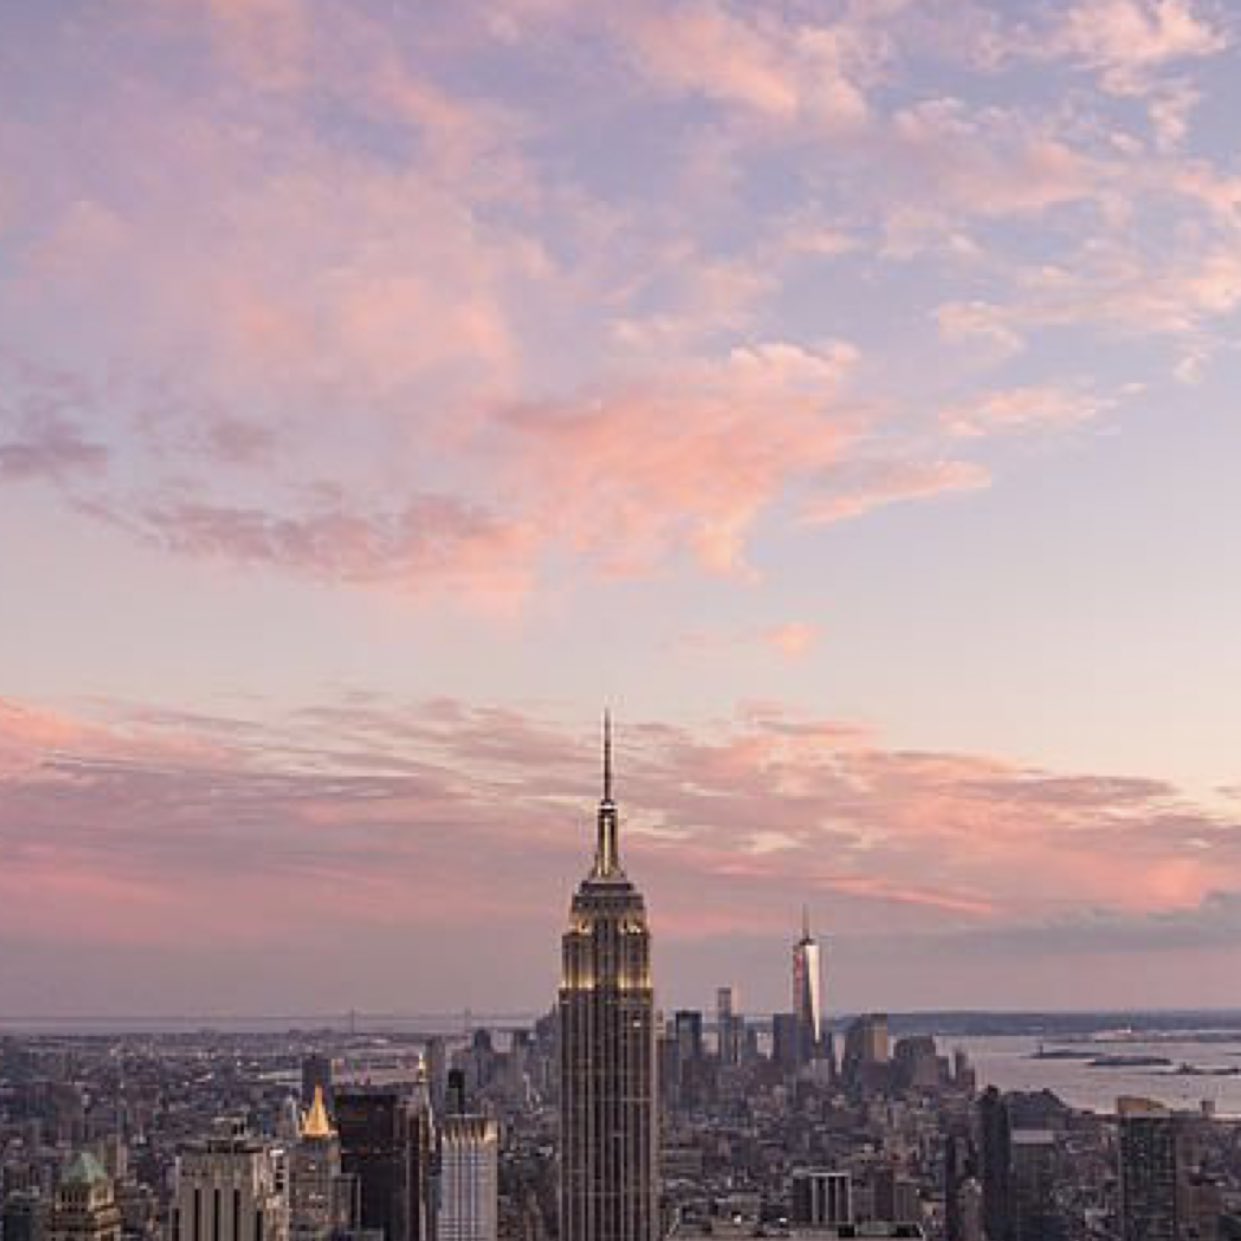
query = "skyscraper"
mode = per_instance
[
  {"x": 865, "y": 1064},
  {"x": 85, "y": 1207},
  {"x": 469, "y": 1171},
  {"x": 729, "y": 1025},
  {"x": 230, "y": 1188},
  {"x": 608, "y": 1182},
  {"x": 995, "y": 1139},
  {"x": 807, "y": 993},
  {"x": 1035, "y": 1172},
  {"x": 690, "y": 1057},
  {"x": 1155, "y": 1161},
  {"x": 319, "y": 1192},
  {"x": 386, "y": 1143},
  {"x": 316, "y": 1075}
]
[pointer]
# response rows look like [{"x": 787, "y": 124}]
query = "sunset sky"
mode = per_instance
[{"x": 845, "y": 391}]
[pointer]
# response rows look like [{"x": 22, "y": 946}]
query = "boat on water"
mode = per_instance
[
  {"x": 1061, "y": 1053},
  {"x": 1121, "y": 1061}
]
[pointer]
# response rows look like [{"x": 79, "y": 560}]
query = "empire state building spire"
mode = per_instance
[
  {"x": 607, "y": 848},
  {"x": 609, "y": 1131}
]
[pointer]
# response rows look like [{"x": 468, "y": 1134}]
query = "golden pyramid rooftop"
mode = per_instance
[{"x": 315, "y": 1124}]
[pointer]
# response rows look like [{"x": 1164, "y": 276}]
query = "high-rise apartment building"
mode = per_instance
[
  {"x": 687, "y": 1024},
  {"x": 386, "y": 1143},
  {"x": 690, "y": 1056},
  {"x": 435, "y": 1057},
  {"x": 1023, "y": 1168},
  {"x": 1037, "y": 1170},
  {"x": 1156, "y": 1169},
  {"x": 807, "y": 993},
  {"x": 995, "y": 1149},
  {"x": 786, "y": 1041},
  {"x": 608, "y": 1117},
  {"x": 960, "y": 1169},
  {"x": 232, "y": 1187},
  {"x": 917, "y": 1064},
  {"x": 867, "y": 1053},
  {"x": 469, "y": 1179},
  {"x": 729, "y": 1026}
]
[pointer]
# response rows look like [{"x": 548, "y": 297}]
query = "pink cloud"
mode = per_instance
[
  {"x": 432, "y": 539},
  {"x": 1022, "y": 409},
  {"x": 1126, "y": 39},
  {"x": 401, "y": 817},
  {"x": 689, "y": 461},
  {"x": 780, "y": 71},
  {"x": 990, "y": 162},
  {"x": 420, "y": 345},
  {"x": 49, "y": 449},
  {"x": 864, "y": 486},
  {"x": 1114, "y": 287},
  {"x": 792, "y": 639}
]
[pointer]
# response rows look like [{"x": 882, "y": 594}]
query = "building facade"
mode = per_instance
[
  {"x": 85, "y": 1207},
  {"x": 469, "y": 1179},
  {"x": 865, "y": 1064},
  {"x": 231, "y": 1188},
  {"x": 819, "y": 1197},
  {"x": 386, "y": 1145},
  {"x": 729, "y": 1025},
  {"x": 1156, "y": 1157},
  {"x": 608, "y": 1115},
  {"x": 320, "y": 1195}
]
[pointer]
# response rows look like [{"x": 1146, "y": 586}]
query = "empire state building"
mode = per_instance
[{"x": 608, "y": 1117}]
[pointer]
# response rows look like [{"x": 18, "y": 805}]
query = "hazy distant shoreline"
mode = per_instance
[{"x": 1070, "y": 1024}]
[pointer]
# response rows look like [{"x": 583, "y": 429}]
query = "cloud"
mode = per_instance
[
  {"x": 1214, "y": 922},
  {"x": 431, "y": 541},
  {"x": 51, "y": 449},
  {"x": 334, "y": 783},
  {"x": 41, "y": 435},
  {"x": 1126, "y": 40},
  {"x": 390, "y": 319},
  {"x": 1114, "y": 288},
  {"x": 793, "y": 639},
  {"x": 688, "y": 461},
  {"x": 782, "y": 71},
  {"x": 403, "y": 817},
  {"x": 1034, "y": 407},
  {"x": 863, "y": 486},
  {"x": 989, "y": 162}
]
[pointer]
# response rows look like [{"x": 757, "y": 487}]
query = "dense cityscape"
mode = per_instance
[{"x": 604, "y": 1120}]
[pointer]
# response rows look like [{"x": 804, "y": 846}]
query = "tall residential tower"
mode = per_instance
[{"x": 608, "y": 1117}]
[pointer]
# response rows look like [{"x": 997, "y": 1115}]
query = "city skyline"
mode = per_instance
[{"x": 844, "y": 393}]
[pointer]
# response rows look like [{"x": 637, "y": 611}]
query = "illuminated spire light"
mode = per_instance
[{"x": 607, "y": 849}]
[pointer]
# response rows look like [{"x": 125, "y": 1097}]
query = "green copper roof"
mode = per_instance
[{"x": 83, "y": 1169}]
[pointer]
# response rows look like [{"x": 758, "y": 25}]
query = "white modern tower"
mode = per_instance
[
  {"x": 807, "y": 993},
  {"x": 469, "y": 1179}
]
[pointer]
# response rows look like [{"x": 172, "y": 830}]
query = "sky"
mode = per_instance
[{"x": 842, "y": 391}]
